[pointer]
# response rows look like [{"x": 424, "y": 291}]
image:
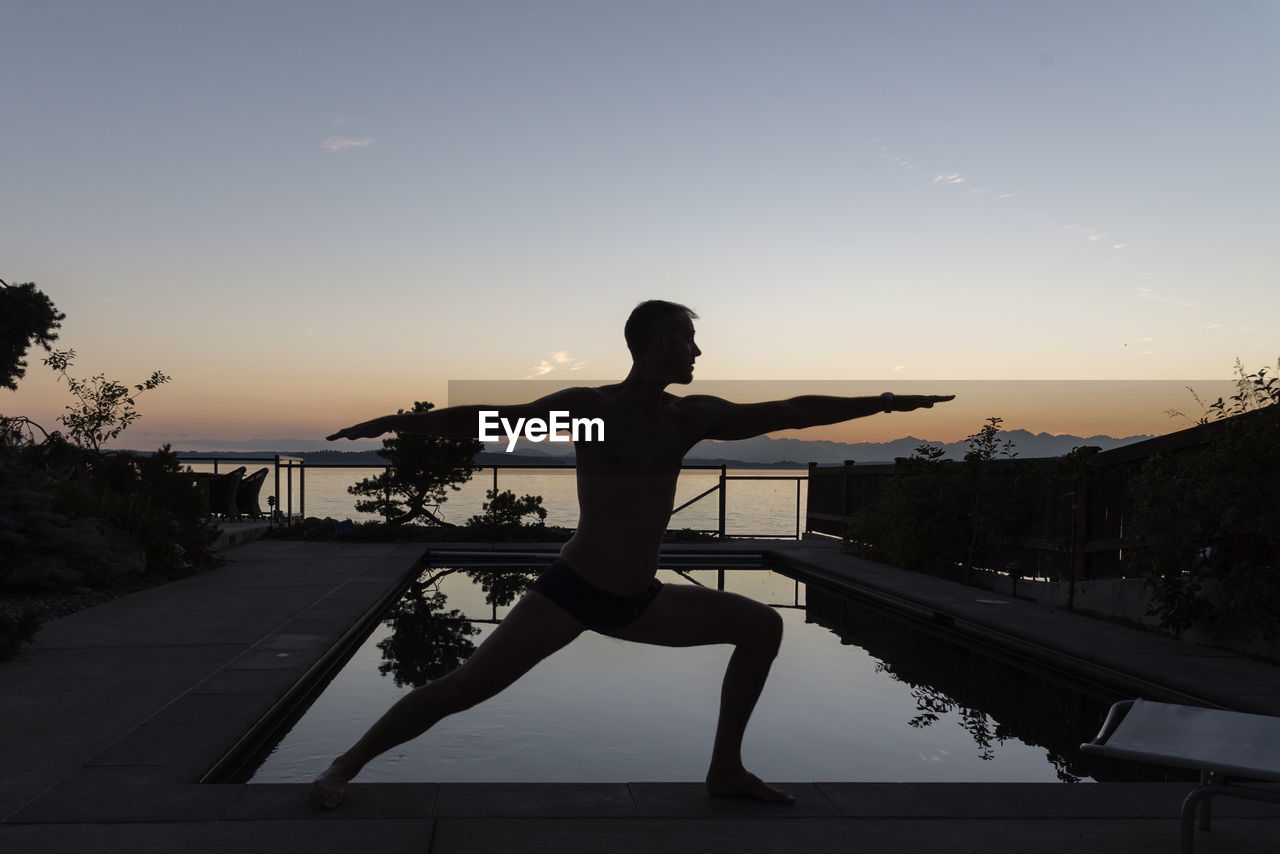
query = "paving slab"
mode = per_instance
[
  {"x": 690, "y": 800},
  {"x": 543, "y": 800},
  {"x": 884, "y": 800},
  {"x": 121, "y": 794},
  {"x": 317, "y": 836},
  {"x": 273, "y": 801}
]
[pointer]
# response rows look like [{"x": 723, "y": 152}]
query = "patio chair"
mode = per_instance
[
  {"x": 247, "y": 494},
  {"x": 1225, "y": 747},
  {"x": 222, "y": 493}
]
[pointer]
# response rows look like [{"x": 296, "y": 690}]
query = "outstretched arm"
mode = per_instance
[
  {"x": 725, "y": 420},
  {"x": 457, "y": 422}
]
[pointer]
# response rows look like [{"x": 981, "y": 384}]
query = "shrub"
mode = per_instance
[{"x": 1205, "y": 526}]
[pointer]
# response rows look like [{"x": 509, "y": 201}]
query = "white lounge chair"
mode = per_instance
[{"x": 1224, "y": 747}]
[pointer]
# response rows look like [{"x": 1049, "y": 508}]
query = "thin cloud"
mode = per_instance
[
  {"x": 341, "y": 143},
  {"x": 558, "y": 359},
  {"x": 1152, "y": 295},
  {"x": 1122, "y": 246}
]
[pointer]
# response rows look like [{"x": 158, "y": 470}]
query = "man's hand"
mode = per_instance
[
  {"x": 908, "y": 402},
  {"x": 365, "y": 430}
]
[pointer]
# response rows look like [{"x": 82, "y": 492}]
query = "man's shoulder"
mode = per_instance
[
  {"x": 582, "y": 394},
  {"x": 698, "y": 401}
]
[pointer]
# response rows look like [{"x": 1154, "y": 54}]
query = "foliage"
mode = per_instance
[
  {"x": 1253, "y": 391},
  {"x": 502, "y": 587},
  {"x": 422, "y": 470},
  {"x": 505, "y": 510},
  {"x": 71, "y": 516},
  {"x": 154, "y": 500},
  {"x": 919, "y": 520},
  {"x": 27, "y": 317},
  {"x": 104, "y": 408},
  {"x": 426, "y": 641},
  {"x": 934, "y": 515},
  {"x": 985, "y": 445},
  {"x": 1206, "y": 521}
]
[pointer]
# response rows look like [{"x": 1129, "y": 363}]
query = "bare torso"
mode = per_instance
[{"x": 626, "y": 487}]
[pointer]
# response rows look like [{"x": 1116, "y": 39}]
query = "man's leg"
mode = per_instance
[
  {"x": 684, "y": 615},
  {"x": 533, "y": 630}
]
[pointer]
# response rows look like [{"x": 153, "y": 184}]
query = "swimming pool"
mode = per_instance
[{"x": 856, "y": 693}]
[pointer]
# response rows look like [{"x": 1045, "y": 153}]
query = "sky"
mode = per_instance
[{"x": 312, "y": 213}]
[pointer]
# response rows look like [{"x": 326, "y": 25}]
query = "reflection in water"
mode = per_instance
[
  {"x": 1001, "y": 704},
  {"x": 995, "y": 699},
  {"x": 427, "y": 641}
]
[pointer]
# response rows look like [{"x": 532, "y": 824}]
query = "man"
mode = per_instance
[{"x": 605, "y": 579}]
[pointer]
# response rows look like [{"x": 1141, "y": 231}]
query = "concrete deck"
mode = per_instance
[{"x": 112, "y": 715}]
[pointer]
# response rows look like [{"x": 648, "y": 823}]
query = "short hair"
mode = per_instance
[{"x": 643, "y": 323}]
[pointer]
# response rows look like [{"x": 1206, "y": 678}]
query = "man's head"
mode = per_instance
[
  {"x": 650, "y": 319},
  {"x": 663, "y": 331}
]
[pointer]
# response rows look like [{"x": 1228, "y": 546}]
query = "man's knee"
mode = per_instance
[{"x": 763, "y": 630}]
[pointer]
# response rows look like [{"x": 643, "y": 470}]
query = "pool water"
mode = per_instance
[{"x": 856, "y": 694}]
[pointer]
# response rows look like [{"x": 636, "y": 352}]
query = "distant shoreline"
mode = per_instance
[
  {"x": 762, "y": 452},
  {"x": 485, "y": 458}
]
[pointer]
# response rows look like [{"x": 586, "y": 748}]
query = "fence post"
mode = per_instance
[
  {"x": 1079, "y": 534},
  {"x": 723, "y": 481},
  {"x": 276, "y": 509},
  {"x": 302, "y": 490},
  {"x": 797, "y": 508},
  {"x": 809, "y": 489},
  {"x": 846, "y": 478}
]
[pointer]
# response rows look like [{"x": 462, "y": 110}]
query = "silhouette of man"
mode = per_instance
[{"x": 604, "y": 579}]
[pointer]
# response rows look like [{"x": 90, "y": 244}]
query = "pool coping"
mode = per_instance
[{"x": 113, "y": 713}]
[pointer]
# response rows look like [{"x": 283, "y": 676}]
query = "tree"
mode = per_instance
[
  {"x": 27, "y": 317},
  {"x": 421, "y": 471},
  {"x": 505, "y": 510},
  {"x": 104, "y": 407}
]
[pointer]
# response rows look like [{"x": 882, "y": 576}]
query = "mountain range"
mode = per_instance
[{"x": 761, "y": 450}]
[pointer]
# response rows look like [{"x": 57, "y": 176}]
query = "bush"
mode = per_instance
[
  {"x": 1206, "y": 522},
  {"x": 939, "y": 516},
  {"x": 71, "y": 516}
]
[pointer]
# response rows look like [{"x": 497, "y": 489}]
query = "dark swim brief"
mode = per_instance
[{"x": 598, "y": 610}]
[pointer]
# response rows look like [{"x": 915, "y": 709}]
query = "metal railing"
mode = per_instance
[
  {"x": 278, "y": 461},
  {"x": 719, "y": 487}
]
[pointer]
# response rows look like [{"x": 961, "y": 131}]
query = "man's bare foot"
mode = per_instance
[
  {"x": 743, "y": 784},
  {"x": 328, "y": 788}
]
